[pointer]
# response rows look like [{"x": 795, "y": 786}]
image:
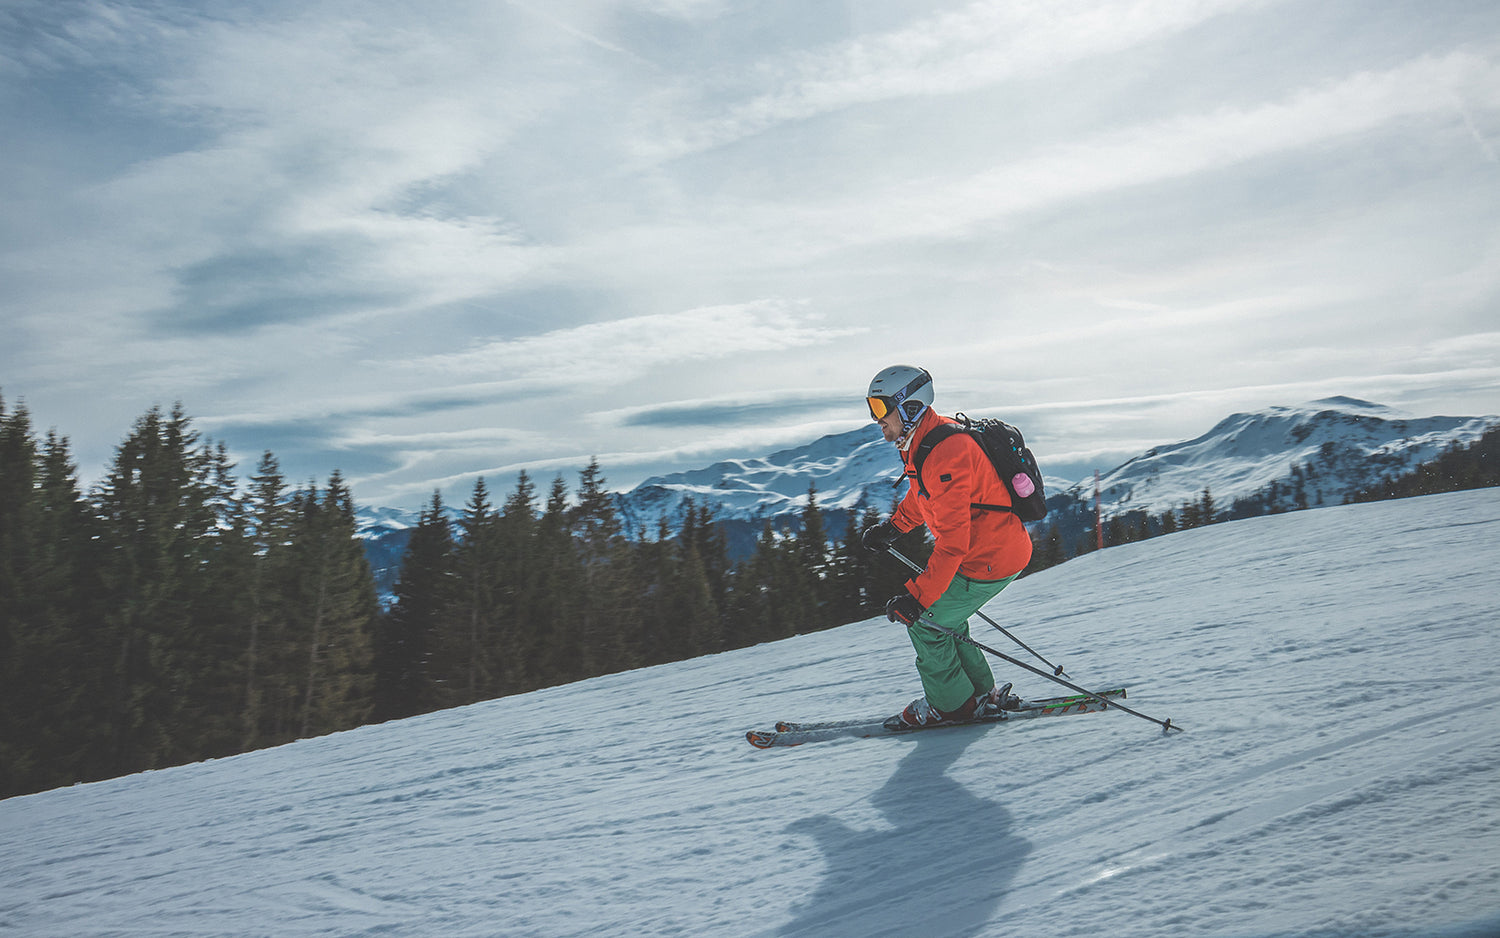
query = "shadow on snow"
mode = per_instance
[{"x": 939, "y": 865}]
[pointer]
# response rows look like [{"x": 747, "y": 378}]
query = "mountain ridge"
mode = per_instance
[
  {"x": 1320, "y": 452},
  {"x": 1240, "y": 455},
  {"x": 1348, "y": 443}
]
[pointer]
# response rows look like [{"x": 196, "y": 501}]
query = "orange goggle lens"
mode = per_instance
[{"x": 879, "y": 406}]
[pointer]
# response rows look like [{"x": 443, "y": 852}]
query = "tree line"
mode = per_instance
[
  {"x": 1474, "y": 466},
  {"x": 170, "y": 615},
  {"x": 536, "y": 592},
  {"x": 175, "y": 613}
]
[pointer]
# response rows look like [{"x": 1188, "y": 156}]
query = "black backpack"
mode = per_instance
[{"x": 1007, "y": 452}]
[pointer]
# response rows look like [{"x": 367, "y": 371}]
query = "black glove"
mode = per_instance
[
  {"x": 904, "y": 608},
  {"x": 879, "y": 537}
]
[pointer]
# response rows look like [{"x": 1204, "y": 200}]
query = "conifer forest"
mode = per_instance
[{"x": 176, "y": 612}]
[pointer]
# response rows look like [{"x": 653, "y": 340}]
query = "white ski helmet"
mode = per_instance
[{"x": 904, "y": 388}]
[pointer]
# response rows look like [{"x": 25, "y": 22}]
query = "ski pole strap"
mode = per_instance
[{"x": 1057, "y": 669}]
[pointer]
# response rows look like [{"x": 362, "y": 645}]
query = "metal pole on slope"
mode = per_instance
[
  {"x": 1166, "y": 725},
  {"x": 1056, "y": 668},
  {"x": 1098, "y": 513}
]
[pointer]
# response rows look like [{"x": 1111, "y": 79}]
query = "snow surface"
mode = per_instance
[{"x": 1336, "y": 672}]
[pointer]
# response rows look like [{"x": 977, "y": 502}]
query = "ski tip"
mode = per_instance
[{"x": 761, "y": 740}]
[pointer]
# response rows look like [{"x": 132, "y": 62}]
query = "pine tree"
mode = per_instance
[
  {"x": 679, "y": 616},
  {"x": 879, "y": 575},
  {"x": 753, "y": 606},
  {"x": 660, "y": 630},
  {"x": 695, "y": 606},
  {"x": 1191, "y": 516},
  {"x": 608, "y": 617},
  {"x": 846, "y": 601},
  {"x": 559, "y": 659},
  {"x": 18, "y": 471},
  {"x": 221, "y": 613},
  {"x": 155, "y": 506},
  {"x": 19, "y": 737},
  {"x": 520, "y": 576},
  {"x": 1114, "y": 531},
  {"x": 714, "y": 549},
  {"x": 403, "y": 686},
  {"x": 471, "y": 646},
  {"x": 1051, "y": 551},
  {"x": 267, "y": 656},
  {"x": 334, "y": 612},
  {"x": 1169, "y": 522},
  {"x": 70, "y": 612},
  {"x": 809, "y": 564},
  {"x": 50, "y": 666}
]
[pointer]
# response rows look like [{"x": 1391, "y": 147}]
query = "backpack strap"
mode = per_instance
[{"x": 935, "y": 436}]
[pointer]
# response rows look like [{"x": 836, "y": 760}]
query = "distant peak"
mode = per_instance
[
  {"x": 1353, "y": 405},
  {"x": 1340, "y": 400}
]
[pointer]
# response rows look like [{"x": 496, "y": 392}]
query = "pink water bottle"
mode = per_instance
[{"x": 1022, "y": 483}]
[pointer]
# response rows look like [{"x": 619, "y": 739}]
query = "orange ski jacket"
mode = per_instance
[{"x": 979, "y": 543}]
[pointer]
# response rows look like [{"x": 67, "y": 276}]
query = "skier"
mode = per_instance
[{"x": 977, "y": 551}]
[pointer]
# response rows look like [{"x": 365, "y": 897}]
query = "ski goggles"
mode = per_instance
[{"x": 880, "y": 406}]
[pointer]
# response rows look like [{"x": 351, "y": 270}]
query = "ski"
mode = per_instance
[
  {"x": 1052, "y": 703},
  {"x": 795, "y": 734}
]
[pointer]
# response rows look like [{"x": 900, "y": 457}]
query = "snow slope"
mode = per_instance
[{"x": 1336, "y": 672}]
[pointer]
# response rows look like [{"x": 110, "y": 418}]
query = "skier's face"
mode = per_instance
[{"x": 890, "y": 426}]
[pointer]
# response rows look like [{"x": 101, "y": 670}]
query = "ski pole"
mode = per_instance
[
  {"x": 1056, "y": 668},
  {"x": 1166, "y": 725}
]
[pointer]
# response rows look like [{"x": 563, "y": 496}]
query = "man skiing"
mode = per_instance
[{"x": 977, "y": 550}]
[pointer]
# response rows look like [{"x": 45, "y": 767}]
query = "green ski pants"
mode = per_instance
[{"x": 952, "y": 671}]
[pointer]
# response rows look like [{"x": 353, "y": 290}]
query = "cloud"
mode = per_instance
[
  {"x": 1162, "y": 150},
  {"x": 621, "y": 350},
  {"x": 976, "y": 46},
  {"x": 748, "y": 408},
  {"x": 311, "y": 152}
]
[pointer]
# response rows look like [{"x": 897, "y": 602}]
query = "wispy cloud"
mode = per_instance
[
  {"x": 978, "y": 45},
  {"x": 1163, "y": 150},
  {"x": 746, "y": 408},
  {"x": 606, "y": 353}
]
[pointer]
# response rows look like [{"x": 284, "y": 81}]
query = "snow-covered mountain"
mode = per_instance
[
  {"x": 1338, "y": 446},
  {"x": 1338, "y": 776},
  {"x": 1349, "y": 444},
  {"x": 850, "y": 470},
  {"x": 385, "y": 533}
]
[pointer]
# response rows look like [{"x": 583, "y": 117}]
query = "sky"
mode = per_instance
[{"x": 427, "y": 243}]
